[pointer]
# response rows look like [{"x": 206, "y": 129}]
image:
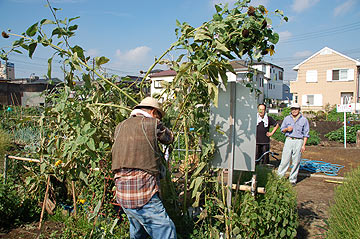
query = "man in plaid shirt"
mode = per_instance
[{"x": 135, "y": 162}]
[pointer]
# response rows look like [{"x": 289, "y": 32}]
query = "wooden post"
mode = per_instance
[
  {"x": 74, "y": 196},
  {"x": 232, "y": 120},
  {"x": 44, "y": 203},
  {"x": 358, "y": 139},
  {"x": 5, "y": 168}
]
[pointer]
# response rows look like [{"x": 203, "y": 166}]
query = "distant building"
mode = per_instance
[
  {"x": 25, "y": 91},
  {"x": 273, "y": 81},
  {"x": 327, "y": 77},
  {"x": 7, "y": 71}
]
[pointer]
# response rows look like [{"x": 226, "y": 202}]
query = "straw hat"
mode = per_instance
[{"x": 151, "y": 102}]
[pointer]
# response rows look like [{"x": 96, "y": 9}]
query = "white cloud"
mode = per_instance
[
  {"x": 301, "y": 5},
  {"x": 302, "y": 54},
  {"x": 344, "y": 8},
  {"x": 138, "y": 58},
  {"x": 284, "y": 36},
  {"x": 92, "y": 52}
]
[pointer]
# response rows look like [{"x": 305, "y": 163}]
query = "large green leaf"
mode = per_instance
[
  {"x": 49, "y": 67},
  {"x": 101, "y": 60},
  {"x": 274, "y": 38},
  {"x": 32, "y": 48},
  {"x": 31, "y": 31}
]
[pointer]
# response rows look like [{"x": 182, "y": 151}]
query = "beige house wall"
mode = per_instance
[{"x": 330, "y": 90}]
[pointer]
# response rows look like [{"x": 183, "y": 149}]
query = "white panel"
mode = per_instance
[
  {"x": 350, "y": 74},
  {"x": 304, "y": 100},
  {"x": 318, "y": 100},
  {"x": 329, "y": 75},
  {"x": 311, "y": 76},
  {"x": 245, "y": 128}
]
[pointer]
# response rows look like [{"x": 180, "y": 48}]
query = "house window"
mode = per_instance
[
  {"x": 346, "y": 97},
  {"x": 280, "y": 75},
  {"x": 312, "y": 100},
  {"x": 157, "y": 84},
  {"x": 311, "y": 76},
  {"x": 340, "y": 75}
]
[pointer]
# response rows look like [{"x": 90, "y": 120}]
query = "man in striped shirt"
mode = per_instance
[{"x": 135, "y": 162}]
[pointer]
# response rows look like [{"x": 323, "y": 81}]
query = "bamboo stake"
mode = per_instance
[
  {"x": 25, "y": 159},
  {"x": 74, "y": 196},
  {"x": 5, "y": 168},
  {"x": 44, "y": 203},
  {"x": 186, "y": 166}
]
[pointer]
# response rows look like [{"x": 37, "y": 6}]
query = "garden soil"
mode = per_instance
[{"x": 314, "y": 192}]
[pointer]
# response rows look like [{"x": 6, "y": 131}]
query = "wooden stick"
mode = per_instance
[
  {"x": 44, "y": 203},
  {"x": 331, "y": 181},
  {"x": 25, "y": 159},
  {"x": 74, "y": 196},
  {"x": 248, "y": 188},
  {"x": 5, "y": 168}
]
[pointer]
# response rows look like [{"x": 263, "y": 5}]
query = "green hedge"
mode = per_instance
[
  {"x": 344, "y": 220},
  {"x": 338, "y": 135}
]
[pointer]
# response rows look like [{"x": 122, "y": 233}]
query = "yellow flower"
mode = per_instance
[
  {"x": 58, "y": 163},
  {"x": 271, "y": 51},
  {"x": 82, "y": 201},
  {"x": 266, "y": 11}
]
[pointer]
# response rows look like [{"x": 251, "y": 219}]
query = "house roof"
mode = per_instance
[
  {"x": 164, "y": 73},
  {"x": 267, "y": 63},
  {"x": 324, "y": 50}
]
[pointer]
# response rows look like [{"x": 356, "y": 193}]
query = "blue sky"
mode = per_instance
[{"x": 133, "y": 33}]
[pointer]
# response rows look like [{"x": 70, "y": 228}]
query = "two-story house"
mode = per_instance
[
  {"x": 273, "y": 81},
  {"x": 241, "y": 68},
  {"x": 326, "y": 77}
]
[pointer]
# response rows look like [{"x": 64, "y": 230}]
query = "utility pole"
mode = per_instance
[{"x": 6, "y": 70}]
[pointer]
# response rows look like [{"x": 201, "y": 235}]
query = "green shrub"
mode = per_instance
[
  {"x": 15, "y": 207},
  {"x": 4, "y": 143},
  {"x": 338, "y": 135},
  {"x": 344, "y": 220},
  {"x": 273, "y": 215},
  {"x": 83, "y": 227}
]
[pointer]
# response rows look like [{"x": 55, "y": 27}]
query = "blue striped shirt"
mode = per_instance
[{"x": 300, "y": 127}]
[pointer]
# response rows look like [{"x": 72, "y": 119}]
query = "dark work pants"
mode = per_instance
[{"x": 260, "y": 149}]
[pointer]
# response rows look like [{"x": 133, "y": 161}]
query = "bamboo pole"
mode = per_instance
[
  {"x": 74, "y": 196},
  {"x": 5, "y": 168},
  {"x": 44, "y": 203},
  {"x": 25, "y": 159}
]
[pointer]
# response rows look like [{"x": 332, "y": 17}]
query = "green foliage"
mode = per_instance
[
  {"x": 314, "y": 138},
  {"x": 4, "y": 143},
  {"x": 338, "y": 135},
  {"x": 279, "y": 117},
  {"x": 344, "y": 220},
  {"x": 335, "y": 116},
  {"x": 82, "y": 227},
  {"x": 273, "y": 215},
  {"x": 16, "y": 207}
]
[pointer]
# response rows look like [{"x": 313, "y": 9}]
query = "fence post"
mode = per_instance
[
  {"x": 5, "y": 168},
  {"x": 358, "y": 139}
]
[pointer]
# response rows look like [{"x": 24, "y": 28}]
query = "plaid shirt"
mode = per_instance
[{"x": 135, "y": 187}]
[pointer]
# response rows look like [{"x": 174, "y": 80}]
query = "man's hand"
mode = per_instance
[
  {"x": 289, "y": 128},
  {"x": 268, "y": 134},
  {"x": 303, "y": 148}
]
